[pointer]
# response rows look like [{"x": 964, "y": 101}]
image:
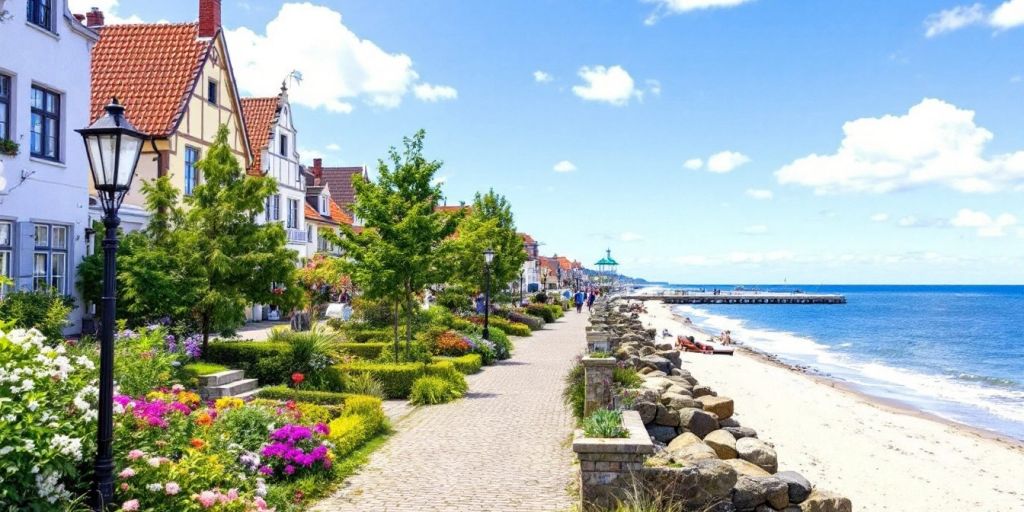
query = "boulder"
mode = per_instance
[
  {"x": 656, "y": 362},
  {"x": 750, "y": 492},
  {"x": 679, "y": 390},
  {"x": 720, "y": 405},
  {"x": 723, "y": 443},
  {"x": 743, "y": 467},
  {"x": 740, "y": 432},
  {"x": 698, "y": 421},
  {"x": 729, "y": 422},
  {"x": 822, "y": 501},
  {"x": 661, "y": 433},
  {"x": 663, "y": 345},
  {"x": 699, "y": 391},
  {"x": 671, "y": 355},
  {"x": 644, "y": 371},
  {"x": 692, "y": 453},
  {"x": 667, "y": 417},
  {"x": 648, "y": 411},
  {"x": 799, "y": 487},
  {"x": 682, "y": 440},
  {"x": 677, "y": 401},
  {"x": 661, "y": 382},
  {"x": 654, "y": 373},
  {"x": 758, "y": 452},
  {"x": 646, "y": 351},
  {"x": 696, "y": 485}
]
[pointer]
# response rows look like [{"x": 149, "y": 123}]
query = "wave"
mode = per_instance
[{"x": 956, "y": 396}]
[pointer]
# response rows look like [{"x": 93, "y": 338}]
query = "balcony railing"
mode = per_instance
[{"x": 296, "y": 236}]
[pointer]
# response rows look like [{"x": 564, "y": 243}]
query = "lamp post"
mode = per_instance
[
  {"x": 522, "y": 282},
  {"x": 488, "y": 258},
  {"x": 112, "y": 145}
]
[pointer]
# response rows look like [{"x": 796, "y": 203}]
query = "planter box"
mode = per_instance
[{"x": 609, "y": 466}]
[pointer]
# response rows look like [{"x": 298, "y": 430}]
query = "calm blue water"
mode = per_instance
[{"x": 954, "y": 351}]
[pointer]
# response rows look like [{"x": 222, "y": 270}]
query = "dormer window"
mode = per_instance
[{"x": 324, "y": 209}]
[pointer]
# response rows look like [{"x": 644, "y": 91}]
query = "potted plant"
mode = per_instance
[{"x": 8, "y": 147}]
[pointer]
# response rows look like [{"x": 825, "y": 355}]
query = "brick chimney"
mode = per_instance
[
  {"x": 94, "y": 18},
  {"x": 318, "y": 171},
  {"x": 209, "y": 17}
]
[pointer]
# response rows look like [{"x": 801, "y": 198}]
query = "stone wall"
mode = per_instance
[
  {"x": 608, "y": 466},
  {"x": 700, "y": 456}
]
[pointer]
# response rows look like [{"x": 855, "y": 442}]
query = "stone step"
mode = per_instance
[
  {"x": 249, "y": 394},
  {"x": 232, "y": 389},
  {"x": 221, "y": 378}
]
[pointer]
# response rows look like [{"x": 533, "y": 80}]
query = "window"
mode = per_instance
[
  {"x": 45, "y": 123},
  {"x": 293, "y": 214},
  {"x": 273, "y": 208},
  {"x": 309, "y": 233},
  {"x": 211, "y": 92},
  {"x": 6, "y": 249},
  {"x": 50, "y": 260},
  {"x": 5, "y": 107},
  {"x": 39, "y": 13},
  {"x": 324, "y": 208},
  {"x": 191, "y": 173},
  {"x": 284, "y": 145}
]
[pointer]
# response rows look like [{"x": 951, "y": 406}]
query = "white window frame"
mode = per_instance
[
  {"x": 6, "y": 252},
  {"x": 50, "y": 252}
]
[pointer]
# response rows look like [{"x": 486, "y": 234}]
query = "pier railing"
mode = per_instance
[{"x": 739, "y": 298}]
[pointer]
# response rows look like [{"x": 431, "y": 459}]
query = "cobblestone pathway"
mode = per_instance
[{"x": 504, "y": 447}]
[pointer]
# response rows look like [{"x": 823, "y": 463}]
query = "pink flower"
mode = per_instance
[
  {"x": 126, "y": 473},
  {"x": 155, "y": 461},
  {"x": 136, "y": 454},
  {"x": 260, "y": 503},
  {"x": 232, "y": 494},
  {"x": 207, "y": 499},
  {"x": 130, "y": 505},
  {"x": 172, "y": 488}
]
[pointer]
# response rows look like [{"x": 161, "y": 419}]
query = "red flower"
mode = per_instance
[
  {"x": 290, "y": 404},
  {"x": 297, "y": 378}
]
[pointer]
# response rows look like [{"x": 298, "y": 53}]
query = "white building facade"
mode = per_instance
[{"x": 44, "y": 185}]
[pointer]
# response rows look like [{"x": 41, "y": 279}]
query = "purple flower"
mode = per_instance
[
  {"x": 193, "y": 348},
  {"x": 322, "y": 429},
  {"x": 172, "y": 343},
  {"x": 289, "y": 469},
  {"x": 267, "y": 470}
]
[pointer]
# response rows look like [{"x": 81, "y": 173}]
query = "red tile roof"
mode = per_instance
[
  {"x": 527, "y": 239},
  {"x": 339, "y": 180},
  {"x": 336, "y": 216},
  {"x": 151, "y": 69},
  {"x": 260, "y": 116}
]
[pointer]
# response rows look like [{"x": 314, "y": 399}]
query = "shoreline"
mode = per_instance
[
  {"x": 885, "y": 455},
  {"x": 824, "y": 379}
]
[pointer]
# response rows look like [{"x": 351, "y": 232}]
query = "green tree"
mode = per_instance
[
  {"x": 396, "y": 255},
  {"x": 489, "y": 224}
]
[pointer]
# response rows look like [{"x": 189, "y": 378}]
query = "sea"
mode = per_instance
[{"x": 953, "y": 351}]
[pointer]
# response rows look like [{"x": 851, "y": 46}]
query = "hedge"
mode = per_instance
[
  {"x": 541, "y": 311},
  {"x": 397, "y": 378},
  {"x": 368, "y": 351},
  {"x": 270, "y": 362},
  {"x": 534, "y": 323},
  {"x": 369, "y": 335},
  {"x": 303, "y": 395},
  {"x": 510, "y": 327},
  {"x": 467, "y": 364}
]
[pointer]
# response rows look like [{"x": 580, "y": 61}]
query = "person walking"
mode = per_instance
[
  {"x": 590, "y": 301},
  {"x": 579, "y": 298}
]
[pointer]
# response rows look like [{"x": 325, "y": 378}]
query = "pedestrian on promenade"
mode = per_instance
[
  {"x": 579, "y": 299},
  {"x": 590, "y": 301}
]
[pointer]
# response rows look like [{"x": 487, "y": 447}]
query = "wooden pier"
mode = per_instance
[{"x": 741, "y": 298}]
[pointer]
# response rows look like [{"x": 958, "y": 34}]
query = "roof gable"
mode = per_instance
[
  {"x": 261, "y": 115},
  {"x": 339, "y": 180}
]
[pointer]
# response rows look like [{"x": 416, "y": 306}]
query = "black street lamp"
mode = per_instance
[
  {"x": 522, "y": 282},
  {"x": 488, "y": 258},
  {"x": 113, "y": 146}
]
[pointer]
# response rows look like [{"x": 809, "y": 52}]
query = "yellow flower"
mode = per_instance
[
  {"x": 157, "y": 395},
  {"x": 228, "y": 402},
  {"x": 188, "y": 398}
]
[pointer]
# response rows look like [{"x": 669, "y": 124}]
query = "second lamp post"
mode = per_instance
[{"x": 488, "y": 259}]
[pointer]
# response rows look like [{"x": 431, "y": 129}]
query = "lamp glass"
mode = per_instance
[
  {"x": 131, "y": 146},
  {"x": 488, "y": 256}
]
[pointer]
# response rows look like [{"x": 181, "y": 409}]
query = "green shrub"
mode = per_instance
[
  {"x": 541, "y": 311},
  {"x": 502, "y": 344},
  {"x": 363, "y": 384},
  {"x": 467, "y": 364},
  {"x": 246, "y": 426},
  {"x": 396, "y": 378},
  {"x": 461, "y": 324},
  {"x": 312, "y": 352},
  {"x": 627, "y": 377},
  {"x": 575, "y": 390},
  {"x": 141, "y": 363},
  {"x": 310, "y": 414},
  {"x": 370, "y": 335},
  {"x": 361, "y": 420},
  {"x": 520, "y": 317},
  {"x": 368, "y": 351},
  {"x": 46, "y": 310},
  {"x": 510, "y": 327},
  {"x": 302, "y": 395},
  {"x": 267, "y": 361},
  {"x": 604, "y": 424},
  {"x": 446, "y": 370},
  {"x": 416, "y": 352},
  {"x": 429, "y": 390},
  {"x": 363, "y": 405}
]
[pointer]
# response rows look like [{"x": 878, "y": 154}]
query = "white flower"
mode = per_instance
[
  {"x": 32, "y": 405},
  {"x": 69, "y": 446},
  {"x": 155, "y": 487}
]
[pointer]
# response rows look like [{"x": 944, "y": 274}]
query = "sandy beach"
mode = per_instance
[{"x": 881, "y": 457}]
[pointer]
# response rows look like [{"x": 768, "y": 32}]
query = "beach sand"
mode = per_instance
[{"x": 883, "y": 458}]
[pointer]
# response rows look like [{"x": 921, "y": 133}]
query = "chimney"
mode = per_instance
[
  {"x": 318, "y": 170},
  {"x": 94, "y": 18},
  {"x": 209, "y": 17}
]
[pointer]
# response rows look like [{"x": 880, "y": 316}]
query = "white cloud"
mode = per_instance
[
  {"x": 1008, "y": 15},
  {"x": 308, "y": 154},
  {"x": 756, "y": 229},
  {"x": 666, "y": 7},
  {"x": 760, "y": 194},
  {"x": 630, "y": 236},
  {"x": 954, "y": 18},
  {"x": 440, "y": 180},
  {"x": 564, "y": 166},
  {"x": 611, "y": 85},
  {"x": 726, "y": 161},
  {"x": 694, "y": 260},
  {"x": 434, "y": 93},
  {"x": 109, "y": 8},
  {"x": 333, "y": 147},
  {"x": 542, "y": 77},
  {"x": 908, "y": 222},
  {"x": 653, "y": 87},
  {"x": 934, "y": 143},
  {"x": 986, "y": 225},
  {"x": 337, "y": 66},
  {"x": 694, "y": 164},
  {"x": 880, "y": 217},
  {"x": 760, "y": 257}
]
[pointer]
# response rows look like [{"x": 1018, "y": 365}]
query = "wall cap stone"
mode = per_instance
[{"x": 638, "y": 442}]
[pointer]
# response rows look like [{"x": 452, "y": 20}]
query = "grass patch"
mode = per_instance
[
  {"x": 200, "y": 369},
  {"x": 604, "y": 424}
]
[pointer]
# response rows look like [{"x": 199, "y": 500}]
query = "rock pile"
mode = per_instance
[{"x": 703, "y": 457}]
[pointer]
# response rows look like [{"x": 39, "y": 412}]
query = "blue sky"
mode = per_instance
[{"x": 923, "y": 186}]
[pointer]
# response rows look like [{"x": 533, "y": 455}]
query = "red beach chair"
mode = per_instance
[{"x": 689, "y": 346}]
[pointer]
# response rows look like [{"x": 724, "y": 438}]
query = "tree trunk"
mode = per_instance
[
  {"x": 408, "y": 318},
  {"x": 206, "y": 332},
  {"x": 398, "y": 303}
]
